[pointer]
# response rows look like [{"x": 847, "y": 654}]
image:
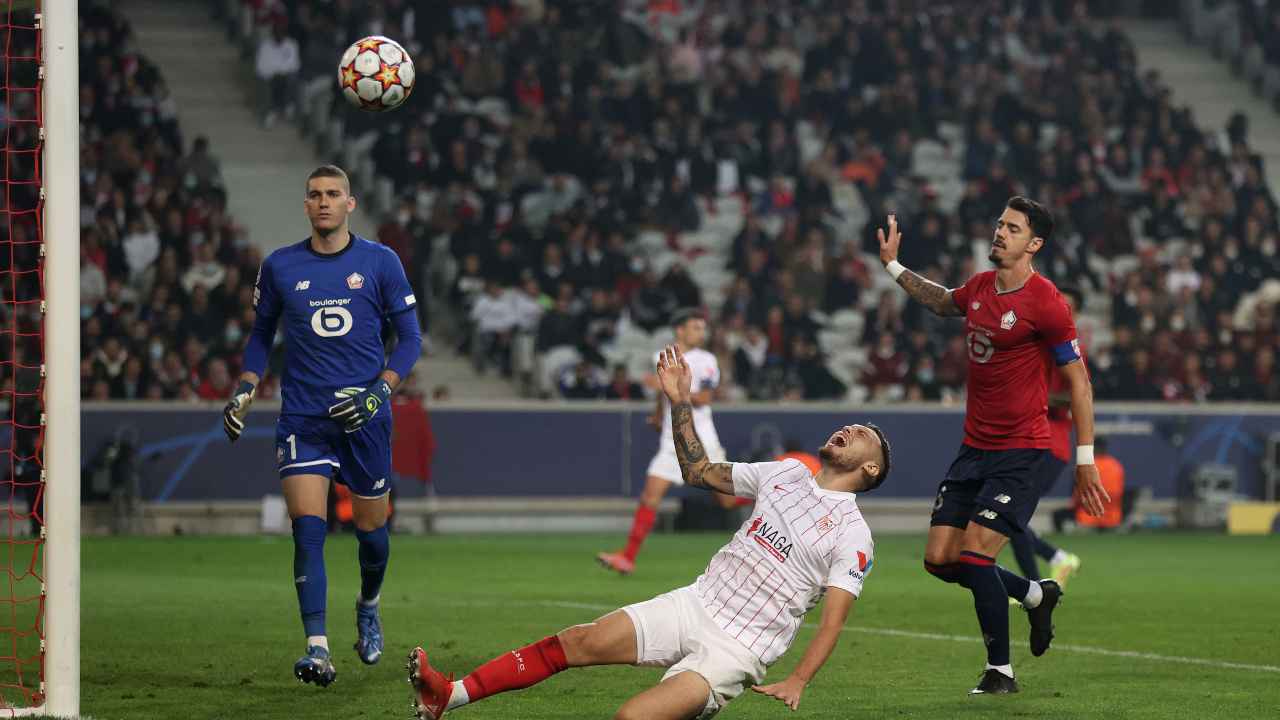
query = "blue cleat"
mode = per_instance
[
  {"x": 315, "y": 667},
  {"x": 369, "y": 631}
]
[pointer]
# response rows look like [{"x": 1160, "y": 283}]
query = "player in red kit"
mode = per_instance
[
  {"x": 1013, "y": 315},
  {"x": 1027, "y": 545}
]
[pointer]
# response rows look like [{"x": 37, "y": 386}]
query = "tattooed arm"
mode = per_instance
[
  {"x": 676, "y": 380},
  {"x": 930, "y": 294},
  {"x": 926, "y": 292},
  {"x": 696, "y": 469}
]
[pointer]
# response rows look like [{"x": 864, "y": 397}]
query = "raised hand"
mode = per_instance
[
  {"x": 674, "y": 375},
  {"x": 889, "y": 242}
]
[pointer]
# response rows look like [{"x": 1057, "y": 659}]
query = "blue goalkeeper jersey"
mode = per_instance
[{"x": 333, "y": 308}]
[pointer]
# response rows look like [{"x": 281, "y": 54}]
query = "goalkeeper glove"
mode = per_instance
[
  {"x": 237, "y": 408},
  {"x": 359, "y": 405}
]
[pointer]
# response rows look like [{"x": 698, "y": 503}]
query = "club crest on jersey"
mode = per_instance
[
  {"x": 769, "y": 538},
  {"x": 1007, "y": 320},
  {"x": 355, "y": 281},
  {"x": 825, "y": 524}
]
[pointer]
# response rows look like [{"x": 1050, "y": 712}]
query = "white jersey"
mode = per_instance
[
  {"x": 706, "y": 376},
  {"x": 800, "y": 540}
]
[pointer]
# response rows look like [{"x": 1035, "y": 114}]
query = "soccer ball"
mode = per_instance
[{"x": 376, "y": 74}]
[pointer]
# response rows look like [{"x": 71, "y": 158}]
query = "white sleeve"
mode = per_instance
[
  {"x": 852, "y": 562},
  {"x": 748, "y": 476}
]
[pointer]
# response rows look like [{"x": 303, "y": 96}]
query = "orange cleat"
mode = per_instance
[
  {"x": 432, "y": 688},
  {"x": 616, "y": 562}
]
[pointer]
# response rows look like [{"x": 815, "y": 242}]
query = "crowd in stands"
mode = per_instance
[
  {"x": 166, "y": 279},
  {"x": 543, "y": 138}
]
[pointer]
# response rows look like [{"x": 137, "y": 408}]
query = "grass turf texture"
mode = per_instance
[{"x": 208, "y": 628}]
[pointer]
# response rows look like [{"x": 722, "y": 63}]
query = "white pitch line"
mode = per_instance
[{"x": 968, "y": 639}]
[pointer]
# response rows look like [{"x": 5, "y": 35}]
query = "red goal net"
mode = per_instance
[{"x": 22, "y": 590}]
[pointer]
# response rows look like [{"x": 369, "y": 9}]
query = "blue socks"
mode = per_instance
[
  {"x": 308, "y": 572},
  {"x": 308, "y": 568},
  {"x": 980, "y": 574},
  {"x": 375, "y": 547},
  {"x": 1043, "y": 549},
  {"x": 1024, "y": 552}
]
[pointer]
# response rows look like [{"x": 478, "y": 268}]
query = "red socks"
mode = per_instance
[
  {"x": 517, "y": 669},
  {"x": 640, "y": 527}
]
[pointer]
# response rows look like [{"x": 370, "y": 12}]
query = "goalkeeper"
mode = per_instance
[{"x": 334, "y": 292}]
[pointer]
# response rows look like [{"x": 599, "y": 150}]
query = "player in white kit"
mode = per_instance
[
  {"x": 664, "y": 470},
  {"x": 806, "y": 540}
]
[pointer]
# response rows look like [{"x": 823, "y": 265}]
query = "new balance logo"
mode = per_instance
[
  {"x": 302, "y": 285},
  {"x": 988, "y": 514},
  {"x": 1003, "y": 499},
  {"x": 380, "y": 484},
  {"x": 300, "y": 579}
]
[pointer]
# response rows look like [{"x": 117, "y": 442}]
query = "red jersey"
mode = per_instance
[{"x": 1007, "y": 334}]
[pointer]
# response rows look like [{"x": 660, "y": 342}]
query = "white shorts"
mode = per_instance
[
  {"x": 666, "y": 465},
  {"x": 674, "y": 631}
]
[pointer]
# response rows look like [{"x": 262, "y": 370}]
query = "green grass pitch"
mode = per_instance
[{"x": 208, "y": 628}]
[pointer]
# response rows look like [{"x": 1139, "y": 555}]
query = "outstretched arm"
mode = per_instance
[
  {"x": 926, "y": 292},
  {"x": 676, "y": 379},
  {"x": 835, "y": 610}
]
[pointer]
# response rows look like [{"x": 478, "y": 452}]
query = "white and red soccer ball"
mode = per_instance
[{"x": 376, "y": 74}]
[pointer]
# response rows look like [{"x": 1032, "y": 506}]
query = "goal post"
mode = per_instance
[{"x": 60, "y": 151}]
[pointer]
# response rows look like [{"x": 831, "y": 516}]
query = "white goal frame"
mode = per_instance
[{"x": 60, "y": 133}]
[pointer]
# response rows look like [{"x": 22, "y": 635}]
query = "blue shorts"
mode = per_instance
[
  {"x": 995, "y": 488},
  {"x": 309, "y": 445}
]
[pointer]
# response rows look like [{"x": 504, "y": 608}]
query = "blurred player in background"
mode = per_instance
[
  {"x": 1013, "y": 315},
  {"x": 664, "y": 470},
  {"x": 333, "y": 291},
  {"x": 806, "y": 540},
  {"x": 1026, "y": 545}
]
